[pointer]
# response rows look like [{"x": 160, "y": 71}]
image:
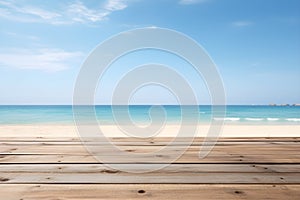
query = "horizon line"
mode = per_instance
[{"x": 286, "y": 104}]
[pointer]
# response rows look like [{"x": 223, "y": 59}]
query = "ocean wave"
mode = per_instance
[
  {"x": 293, "y": 119},
  {"x": 254, "y": 119},
  {"x": 272, "y": 119},
  {"x": 228, "y": 119}
]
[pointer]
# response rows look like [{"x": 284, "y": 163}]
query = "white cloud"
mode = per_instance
[
  {"x": 50, "y": 60},
  {"x": 43, "y": 14},
  {"x": 76, "y": 12},
  {"x": 113, "y": 5},
  {"x": 189, "y": 2},
  {"x": 242, "y": 23},
  {"x": 13, "y": 11},
  {"x": 81, "y": 13}
]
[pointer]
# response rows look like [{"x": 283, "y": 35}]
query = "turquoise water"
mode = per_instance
[{"x": 234, "y": 114}]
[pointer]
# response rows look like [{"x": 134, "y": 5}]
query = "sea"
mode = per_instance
[{"x": 105, "y": 114}]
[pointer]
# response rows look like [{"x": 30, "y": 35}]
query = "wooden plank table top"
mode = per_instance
[{"x": 236, "y": 168}]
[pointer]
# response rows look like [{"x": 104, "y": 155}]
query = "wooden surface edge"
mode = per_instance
[{"x": 148, "y": 191}]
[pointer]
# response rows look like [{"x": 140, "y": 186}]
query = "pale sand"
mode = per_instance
[{"x": 169, "y": 131}]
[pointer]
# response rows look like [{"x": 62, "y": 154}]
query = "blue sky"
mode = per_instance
[{"x": 254, "y": 43}]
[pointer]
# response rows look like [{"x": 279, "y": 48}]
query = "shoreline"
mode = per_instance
[{"x": 229, "y": 130}]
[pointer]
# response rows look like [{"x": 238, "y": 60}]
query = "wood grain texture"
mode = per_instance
[
  {"x": 148, "y": 191},
  {"x": 237, "y": 168}
]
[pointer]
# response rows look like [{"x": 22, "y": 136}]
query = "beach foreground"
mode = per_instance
[{"x": 168, "y": 131}]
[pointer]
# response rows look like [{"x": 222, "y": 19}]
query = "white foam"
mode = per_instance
[
  {"x": 272, "y": 119},
  {"x": 227, "y": 119},
  {"x": 254, "y": 119},
  {"x": 293, "y": 119}
]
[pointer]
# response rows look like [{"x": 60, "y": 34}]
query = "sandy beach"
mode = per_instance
[{"x": 168, "y": 131}]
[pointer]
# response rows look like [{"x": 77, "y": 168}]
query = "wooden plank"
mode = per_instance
[
  {"x": 172, "y": 168},
  {"x": 186, "y": 158},
  {"x": 113, "y": 176},
  {"x": 280, "y": 152},
  {"x": 172, "y": 174},
  {"x": 81, "y": 149},
  {"x": 146, "y": 143},
  {"x": 148, "y": 191},
  {"x": 276, "y": 153},
  {"x": 156, "y": 139},
  {"x": 141, "y": 142}
]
